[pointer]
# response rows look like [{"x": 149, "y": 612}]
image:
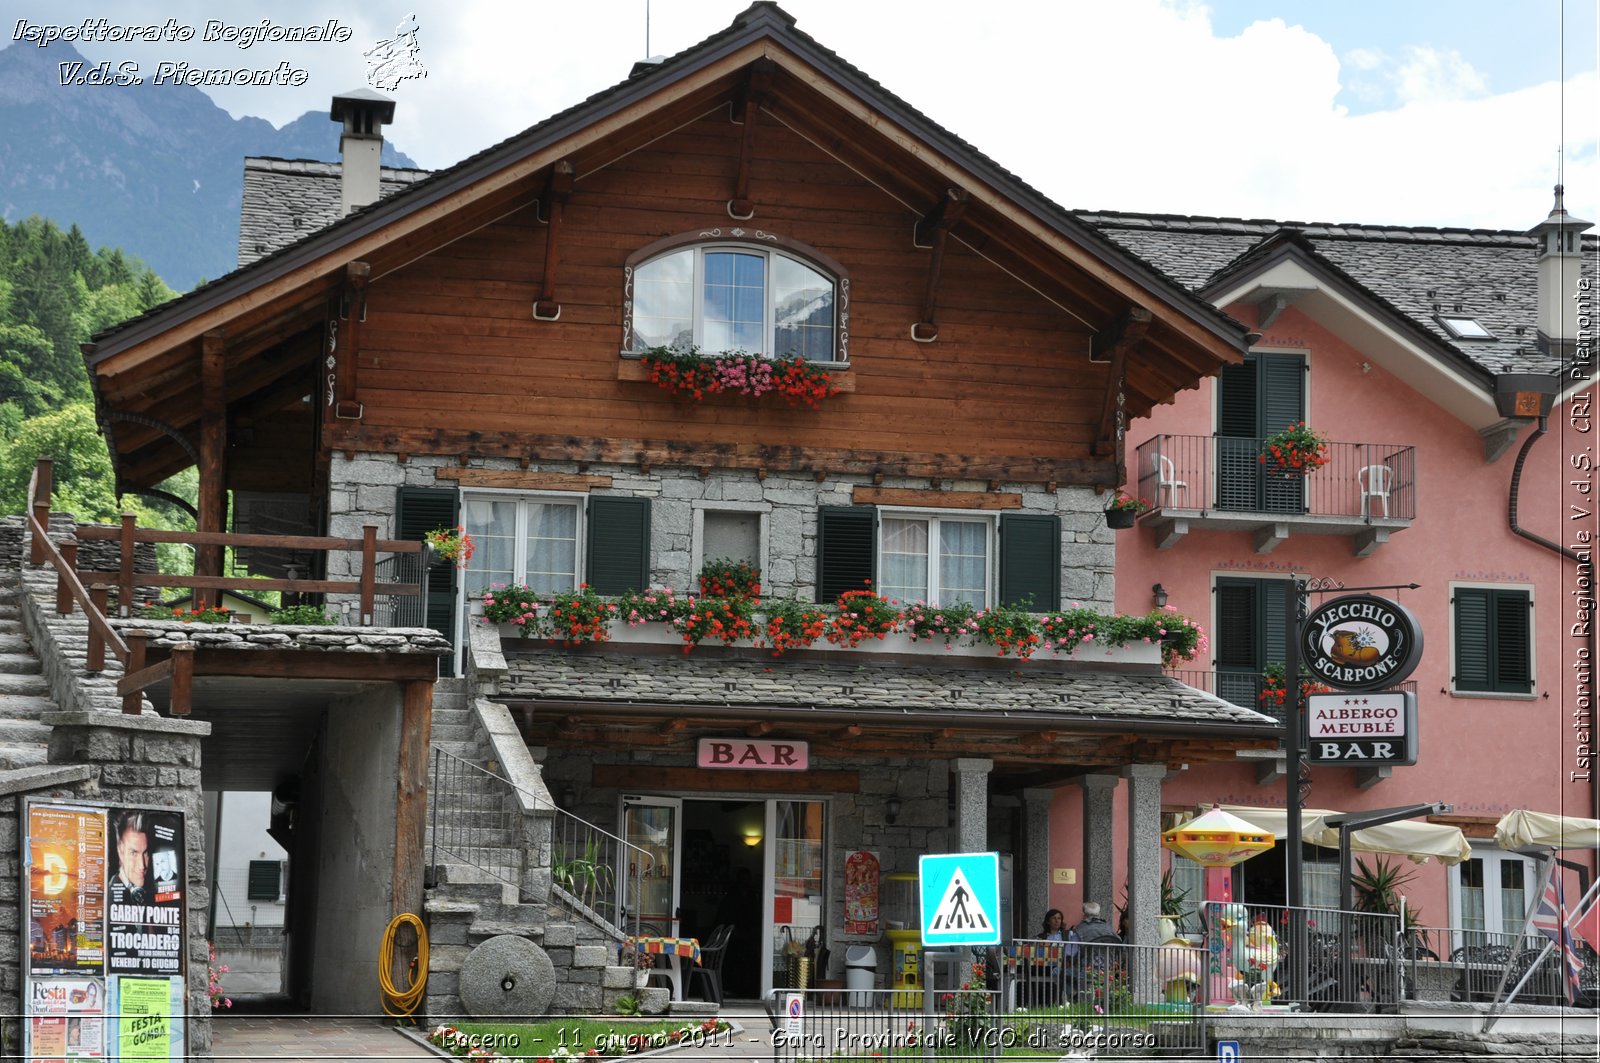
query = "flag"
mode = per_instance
[
  {"x": 1586, "y": 925},
  {"x": 1550, "y": 918}
]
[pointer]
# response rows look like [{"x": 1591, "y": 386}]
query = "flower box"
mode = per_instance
[{"x": 622, "y": 636}]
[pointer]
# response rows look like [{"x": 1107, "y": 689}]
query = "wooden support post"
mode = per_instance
[
  {"x": 98, "y": 595},
  {"x": 136, "y": 650},
  {"x": 126, "y": 548},
  {"x": 757, "y": 90},
  {"x": 411, "y": 797},
  {"x": 931, "y": 232},
  {"x": 213, "y": 459},
  {"x": 182, "y": 678},
  {"x": 369, "y": 564},
  {"x": 352, "y": 312},
  {"x": 43, "y": 487},
  {"x": 69, "y": 554},
  {"x": 555, "y": 198},
  {"x": 1113, "y": 345}
]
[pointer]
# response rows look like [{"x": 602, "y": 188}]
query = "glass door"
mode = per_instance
[
  {"x": 654, "y": 824},
  {"x": 1490, "y": 894},
  {"x": 795, "y": 873}
]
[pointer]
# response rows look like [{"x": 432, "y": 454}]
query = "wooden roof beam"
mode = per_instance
[
  {"x": 1112, "y": 345},
  {"x": 757, "y": 93},
  {"x": 556, "y": 196},
  {"x": 931, "y": 232}
]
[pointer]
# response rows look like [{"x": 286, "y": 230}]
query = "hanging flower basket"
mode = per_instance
[
  {"x": 1295, "y": 451},
  {"x": 453, "y": 545},
  {"x": 1124, "y": 510}
]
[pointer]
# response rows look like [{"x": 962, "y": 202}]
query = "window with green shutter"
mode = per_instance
[
  {"x": 264, "y": 880},
  {"x": 419, "y": 510},
  {"x": 619, "y": 545},
  {"x": 1250, "y": 634},
  {"x": 1259, "y": 397},
  {"x": 1493, "y": 640},
  {"x": 847, "y": 538},
  {"x": 1030, "y": 561}
]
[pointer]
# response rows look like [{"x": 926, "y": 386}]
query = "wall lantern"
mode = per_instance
[
  {"x": 1161, "y": 595},
  {"x": 891, "y": 810}
]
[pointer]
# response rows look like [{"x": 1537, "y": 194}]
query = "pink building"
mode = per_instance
[{"x": 1423, "y": 356}]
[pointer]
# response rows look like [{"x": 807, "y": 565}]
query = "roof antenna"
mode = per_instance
[{"x": 647, "y": 28}]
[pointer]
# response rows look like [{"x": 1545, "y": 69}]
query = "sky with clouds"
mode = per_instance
[{"x": 1420, "y": 112}]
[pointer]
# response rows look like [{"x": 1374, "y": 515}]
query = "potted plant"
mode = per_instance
[
  {"x": 451, "y": 544},
  {"x": 793, "y": 625},
  {"x": 729, "y": 579},
  {"x": 1295, "y": 451},
  {"x": 515, "y": 604},
  {"x": 1275, "y": 689},
  {"x": 1173, "y": 910},
  {"x": 1124, "y": 510},
  {"x": 862, "y": 615}
]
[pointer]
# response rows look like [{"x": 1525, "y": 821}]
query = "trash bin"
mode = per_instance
[{"x": 860, "y": 974}]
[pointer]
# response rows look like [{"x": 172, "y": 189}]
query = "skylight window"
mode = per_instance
[{"x": 1464, "y": 328}]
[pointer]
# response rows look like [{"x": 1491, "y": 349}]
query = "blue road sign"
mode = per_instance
[
  {"x": 1228, "y": 1052},
  {"x": 960, "y": 894}
]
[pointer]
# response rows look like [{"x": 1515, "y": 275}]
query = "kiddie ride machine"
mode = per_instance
[
  {"x": 1241, "y": 958},
  {"x": 900, "y": 913}
]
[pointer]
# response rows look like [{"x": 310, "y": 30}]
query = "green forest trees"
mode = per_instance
[{"x": 55, "y": 293}]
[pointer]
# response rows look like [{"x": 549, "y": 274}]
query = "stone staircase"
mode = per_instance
[
  {"x": 24, "y": 692},
  {"x": 465, "y": 904}
]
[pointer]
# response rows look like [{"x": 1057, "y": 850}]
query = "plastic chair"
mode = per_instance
[
  {"x": 1167, "y": 478},
  {"x": 1375, "y": 481},
  {"x": 709, "y": 968}
]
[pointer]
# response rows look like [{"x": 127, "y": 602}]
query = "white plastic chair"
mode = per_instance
[
  {"x": 1167, "y": 478},
  {"x": 1376, "y": 481}
]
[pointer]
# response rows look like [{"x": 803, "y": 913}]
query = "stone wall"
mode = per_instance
[
  {"x": 364, "y": 492},
  {"x": 100, "y": 555}
]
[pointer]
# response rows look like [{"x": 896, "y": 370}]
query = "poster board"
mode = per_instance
[{"x": 103, "y": 890}]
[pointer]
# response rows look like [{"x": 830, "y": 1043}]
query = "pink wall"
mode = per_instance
[{"x": 1485, "y": 755}]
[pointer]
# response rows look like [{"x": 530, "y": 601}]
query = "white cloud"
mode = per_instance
[
  {"x": 1428, "y": 74},
  {"x": 1365, "y": 58}
]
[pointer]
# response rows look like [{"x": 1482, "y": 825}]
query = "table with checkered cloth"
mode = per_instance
[{"x": 685, "y": 948}]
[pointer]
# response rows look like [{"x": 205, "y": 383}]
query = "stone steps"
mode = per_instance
[{"x": 24, "y": 693}]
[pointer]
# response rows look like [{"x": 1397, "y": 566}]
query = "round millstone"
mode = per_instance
[{"x": 507, "y": 976}]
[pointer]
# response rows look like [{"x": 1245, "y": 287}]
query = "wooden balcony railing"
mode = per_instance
[{"x": 89, "y": 589}]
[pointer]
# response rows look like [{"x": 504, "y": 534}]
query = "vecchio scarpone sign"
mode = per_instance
[{"x": 1360, "y": 642}]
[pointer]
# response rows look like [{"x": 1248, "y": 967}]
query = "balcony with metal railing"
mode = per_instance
[{"x": 1366, "y": 491}]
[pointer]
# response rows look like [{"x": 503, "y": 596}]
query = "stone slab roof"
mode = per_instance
[
  {"x": 286, "y": 199},
  {"x": 1485, "y": 274},
  {"x": 702, "y": 679}
]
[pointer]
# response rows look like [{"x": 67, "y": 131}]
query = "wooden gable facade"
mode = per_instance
[{"x": 982, "y": 335}]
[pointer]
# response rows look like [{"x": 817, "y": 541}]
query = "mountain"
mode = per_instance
[{"x": 154, "y": 170}]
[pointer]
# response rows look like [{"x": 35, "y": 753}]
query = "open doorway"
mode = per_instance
[{"x": 723, "y": 852}]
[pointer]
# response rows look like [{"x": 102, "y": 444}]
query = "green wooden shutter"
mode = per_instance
[
  {"x": 1030, "y": 561},
  {"x": 1272, "y": 596},
  {"x": 1283, "y": 403},
  {"x": 847, "y": 549},
  {"x": 1235, "y": 648},
  {"x": 419, "y": 510},
  {"x": 1237, "y": 468},
  {"x": 1474, "y": 669},
  {"x": 264, "y": 880},
  {"x": 619, "y": 545},
  {"x": 1513, "y": 661},
  {"x": 1493, "y": 648}
]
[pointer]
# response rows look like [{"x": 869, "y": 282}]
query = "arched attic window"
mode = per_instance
[{"x": 740, "y": 290}]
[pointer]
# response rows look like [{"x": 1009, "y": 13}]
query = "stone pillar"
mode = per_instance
[
  {"x": 1035, "y": 856},
  {"x": 1098, "y": 838},
  {"x": 1144, "y": 851},
  {"x": 972, "y": 803}
]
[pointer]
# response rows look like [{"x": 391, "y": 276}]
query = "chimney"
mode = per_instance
[
  {"x": 1560, "y": 262},
  {"x": 364, "y": 114}
]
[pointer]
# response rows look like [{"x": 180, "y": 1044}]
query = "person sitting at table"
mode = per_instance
[
  {"x": 1044, "y": 976},
  {"x": 1092, "y": 929}
]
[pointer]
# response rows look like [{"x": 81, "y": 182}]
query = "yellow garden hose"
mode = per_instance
[{"x": 395, "y": 1002}]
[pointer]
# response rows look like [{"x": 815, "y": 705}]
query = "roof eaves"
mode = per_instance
[{"x": 1290, "y": 243}]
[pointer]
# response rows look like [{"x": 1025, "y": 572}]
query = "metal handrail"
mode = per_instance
[{"x": 585, "y": 861}]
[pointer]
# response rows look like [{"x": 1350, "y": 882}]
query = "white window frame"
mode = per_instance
[
  {"x": 762, "y": 511},
  {"x": 991, "y": 566},
  {"x": 1533, "y": 641},
  {"x": 769, "y": 322},
  {"x": 519, "y": 565},
  {"x": 1493, "y": 916}
]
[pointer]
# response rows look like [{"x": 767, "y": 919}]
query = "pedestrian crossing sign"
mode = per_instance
[{"x": 960, "y": 894}]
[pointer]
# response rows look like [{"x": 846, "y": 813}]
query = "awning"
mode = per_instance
[
  {"x": 1521, "y": 829},
  {"x": 1410, "y": 838}
]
